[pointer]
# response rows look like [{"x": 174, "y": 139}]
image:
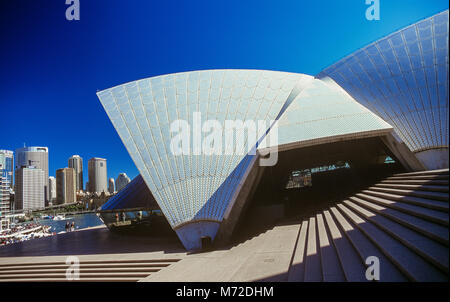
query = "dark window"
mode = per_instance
[{"x": 303, "y": 178}]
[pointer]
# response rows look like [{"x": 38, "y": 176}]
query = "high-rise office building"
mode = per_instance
[
  {"x": 37, "y": 157},
  {"x": 8, "y": 166},
  {"x": 52, "y": 189},
  {"x": 29, "y": 188},
  {"x": 4, "y": 200},
  {"x": 76, "y": 162},
  {"x": 65, "y": 186},
  {"x": 6, "y": 163},
  {"x": 97, "y": 175},
  {"x": 122, "y": 181},
  {"x": 111, "y": 186}
]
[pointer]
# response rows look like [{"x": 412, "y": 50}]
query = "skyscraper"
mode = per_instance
[
  {"x": 122, "y": 181},
  {"x": 65, "y": 186},
  {"x": 97, "y": 175},
  {"x": 111, "y": 186},
  {"x": 8, "y": 166},
  {"x": 6, "y": 163},
  {"x": 76, "y": 162},
  {"x": 29, "y": 188},
  {"x": 52, "y": 189},
  {"x": 37, "y": 157}
]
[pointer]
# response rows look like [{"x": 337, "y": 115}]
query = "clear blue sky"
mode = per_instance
[{"x": 50, "y": 68}]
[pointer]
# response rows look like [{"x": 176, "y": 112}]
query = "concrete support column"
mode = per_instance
[
  {"x": 239, "y": 203},
  {"x": 406, "y": 157}
]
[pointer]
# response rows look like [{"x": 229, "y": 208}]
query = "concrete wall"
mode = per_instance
[{"x": 434, "y": 158}]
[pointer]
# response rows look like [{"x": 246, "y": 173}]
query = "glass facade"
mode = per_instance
[{"x": 403, "y": 78}]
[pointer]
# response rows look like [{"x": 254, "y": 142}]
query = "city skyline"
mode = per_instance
[
  {"x": 55, "y": 76},
  {"x": 19, "y": 160},
  {"x": 14, "y": 165}
]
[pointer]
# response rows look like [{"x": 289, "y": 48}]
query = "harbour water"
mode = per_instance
[{"x": 81, "y": 222}]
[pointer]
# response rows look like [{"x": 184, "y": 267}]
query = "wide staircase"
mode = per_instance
[
  {"x": 122, "y": 270},
  {"x": 402, "y": 220}
]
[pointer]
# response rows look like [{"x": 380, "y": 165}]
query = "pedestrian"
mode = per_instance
[
  {"x": 67, "y": 226},
  {"x": 72, "y": 227}
]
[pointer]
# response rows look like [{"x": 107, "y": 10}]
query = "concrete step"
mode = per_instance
[
  {"x": 43, "y": 279},
  {"x": 422, "y": 194},
  {"x": 430, "y": 250},
  {"x": 443, "y": 189},
  {"x": 429, "y": 229},
  {"x": 82, "y": 275},
  {"x": 297, "y": 267},
  {"x": 90, "y": 270},
  {"x": 420, "y": 177},
  {"x": 427, "y": 214},
  {"x": 428, "y": 172},
  {"x": 83, "y": 265},
  {"x": 416, "y": 182},
  {"x": 331, "y": 267},
  {"x": 359, "y": 249},
  {"x": 352, "y": 265},
  {"x": 118, "y": 261},
  {"x": 313, "y": 269},
  {"x": 412, "y": 265},
  {"x": 422, "y": 202},
  {"x": 82, "y": 270}
]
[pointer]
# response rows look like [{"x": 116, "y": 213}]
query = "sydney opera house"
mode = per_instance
[{"x": 379, "y": 113}]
